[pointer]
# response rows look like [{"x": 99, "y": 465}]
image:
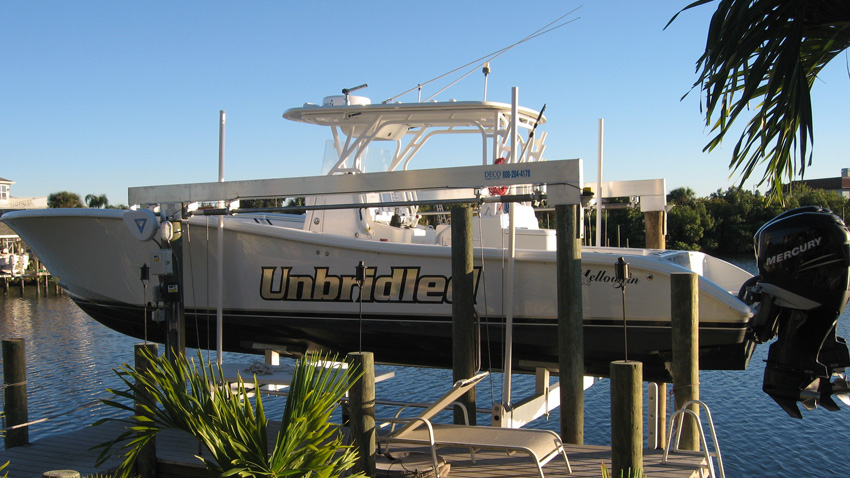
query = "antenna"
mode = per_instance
[
  {"x": 486, "y": 71},
  {"x": 489, "y": 57},
  {"x": 346, "y": 91}
]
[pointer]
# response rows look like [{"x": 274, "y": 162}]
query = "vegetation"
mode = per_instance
[
  {"x": 64, "y": 199},
  {"x": 628, "y": 473},
  {"x": 260, "y": 203},
  {"x": 768, "y": 53},
  {"x": 96, "y": 201},
  {"x": 233, "y": 428},
  {"x": 723, "y": 223},
  {"x": 3, "y": 434}
]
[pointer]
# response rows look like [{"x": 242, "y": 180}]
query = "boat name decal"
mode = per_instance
[
  {"x": 402, "y": 284},
  {"x": 796, "y": 251},
  {"x": 603, "y": 276},
  {"x": 506, "y": 174}
]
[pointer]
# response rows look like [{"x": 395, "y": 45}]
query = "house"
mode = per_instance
[
  {"x": 841, "y": 184},
  {"x": 11, "y": 203}
]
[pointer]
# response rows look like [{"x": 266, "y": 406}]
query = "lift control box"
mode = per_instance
[{"x": 162, "y": 262}]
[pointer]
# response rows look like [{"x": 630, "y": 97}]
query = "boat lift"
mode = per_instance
[
  {"x": 560, "y": 179},
  {"x": 560, "y": 182}
]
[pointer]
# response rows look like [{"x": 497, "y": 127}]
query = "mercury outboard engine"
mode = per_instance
[{"x": 804, "y": 272}]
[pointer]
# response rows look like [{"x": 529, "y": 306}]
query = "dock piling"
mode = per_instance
[
  {"x": 626, "y": 417},
  {"x": 464, "y": 333},
  {"x": 362, "y": 410},
  {"x": 570, "y": 323},
  {"x": 685, "y": 318},
  {"x": 654, "y": 224},
  {"x": 15, "y": 392},
  {"x": 146, "y": 462},
  {"x": 61, "y": 474}
]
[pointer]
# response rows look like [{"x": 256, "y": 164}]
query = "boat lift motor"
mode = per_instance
[{"x": 804, "y": 272}]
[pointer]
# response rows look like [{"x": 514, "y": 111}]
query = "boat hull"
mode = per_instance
[{"x": 295, "y": 291}]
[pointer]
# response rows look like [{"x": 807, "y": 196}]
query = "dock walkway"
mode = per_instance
[{"x": 176, "y": 455}]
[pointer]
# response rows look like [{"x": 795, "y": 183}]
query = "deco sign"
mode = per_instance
[{"x": 401, "y": 285}]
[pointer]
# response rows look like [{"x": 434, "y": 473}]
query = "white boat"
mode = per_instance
[
  {"x": 289, "y": 280},
  {"x": 13, "y": 264}
]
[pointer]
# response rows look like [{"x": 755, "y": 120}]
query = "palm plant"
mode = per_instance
[
  {"x": 192, "y": 398},
  {"x": 3, "y": 434},
  {"x": 96, "y": 201},
  {"x": 769, "y": 51}
]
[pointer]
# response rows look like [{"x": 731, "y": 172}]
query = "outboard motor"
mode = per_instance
[{"x": 804, "y": 272}]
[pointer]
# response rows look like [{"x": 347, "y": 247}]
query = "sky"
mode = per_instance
[{"x": 99, "y": 96}]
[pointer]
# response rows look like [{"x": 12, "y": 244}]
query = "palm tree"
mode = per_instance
[
  {"x": 95, "y": 201},
  {"x": 770, "y": 52},
  {"x": 232, "y": 427}
]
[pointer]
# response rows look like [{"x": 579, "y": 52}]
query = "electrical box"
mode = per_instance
[{"x": 162, "y": 262}]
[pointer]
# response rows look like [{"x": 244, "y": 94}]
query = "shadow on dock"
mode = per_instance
[{"x": 176, "y": 458}]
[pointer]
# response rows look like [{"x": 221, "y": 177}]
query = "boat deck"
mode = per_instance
[{"x": 176, "y": 458}]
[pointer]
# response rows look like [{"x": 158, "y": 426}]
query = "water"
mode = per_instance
[{"x": 70, "y": 358}]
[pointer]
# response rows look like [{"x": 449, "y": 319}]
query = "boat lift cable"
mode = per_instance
[
  {"x": 479, "y": 62},
  {"x": 486, "y": 321},
  {"x": 191, "y": 273}
]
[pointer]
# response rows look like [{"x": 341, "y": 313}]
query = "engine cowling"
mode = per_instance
[{"x": 804, "y": 273}]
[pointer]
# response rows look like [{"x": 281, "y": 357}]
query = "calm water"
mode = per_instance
[{"x": 70, "y": 360}]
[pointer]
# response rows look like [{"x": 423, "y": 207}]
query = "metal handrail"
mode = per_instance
[{"x": 708, "y": 455}]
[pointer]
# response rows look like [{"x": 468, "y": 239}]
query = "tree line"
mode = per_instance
[
  {"x": 65, "y": 199},
  {"x": 722, "y": 223}
]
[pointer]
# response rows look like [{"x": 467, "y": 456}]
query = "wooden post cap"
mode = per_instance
[{"x": 61, "y": 474}]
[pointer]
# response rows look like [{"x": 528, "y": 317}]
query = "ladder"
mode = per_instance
[{"x": 680, "y": 414}]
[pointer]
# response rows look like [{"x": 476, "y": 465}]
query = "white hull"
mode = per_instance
[{"x": 293, "y": 289}]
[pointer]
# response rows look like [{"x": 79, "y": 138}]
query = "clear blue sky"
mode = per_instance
[{"x": 98, "y": 96}]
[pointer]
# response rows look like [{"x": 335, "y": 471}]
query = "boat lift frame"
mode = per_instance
[{"x": 563, "y": 181}]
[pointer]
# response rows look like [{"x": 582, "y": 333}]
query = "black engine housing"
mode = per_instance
[{"x": 804, "y": 273}]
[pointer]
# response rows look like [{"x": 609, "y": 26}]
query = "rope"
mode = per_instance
[
  {"x": 16, "y": 384},
  {"x": 681, "y": 387}
]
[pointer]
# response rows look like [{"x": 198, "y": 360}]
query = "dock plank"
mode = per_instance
[{"x": 176, "y": 455}]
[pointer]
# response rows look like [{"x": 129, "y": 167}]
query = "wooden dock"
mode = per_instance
[{"x": 176, "y": 458}]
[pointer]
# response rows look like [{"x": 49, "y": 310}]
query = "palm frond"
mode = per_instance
[
  {"x": 192, "y": 398},
  {"x": 768, "y": 52}
]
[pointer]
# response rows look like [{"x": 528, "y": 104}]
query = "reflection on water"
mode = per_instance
[{"x": 70, "y": 358}]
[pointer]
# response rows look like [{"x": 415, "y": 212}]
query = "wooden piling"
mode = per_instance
[
  {"x": 655, "y": 239},
  {"x": 685, "y": 317},
  {"x": 15, "y": 392},
  {"x": 146, "y": 462},
  {"x": 361, "y": 400},
  {"x": 37, "y": 279},
  {"x": 570, "y": 323},
  {"x": 654, "y": 224},
  {"x": 464, "y": 333},
  {"x": 626, "y": 417},
  {"x": 61, "y": 474}
]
